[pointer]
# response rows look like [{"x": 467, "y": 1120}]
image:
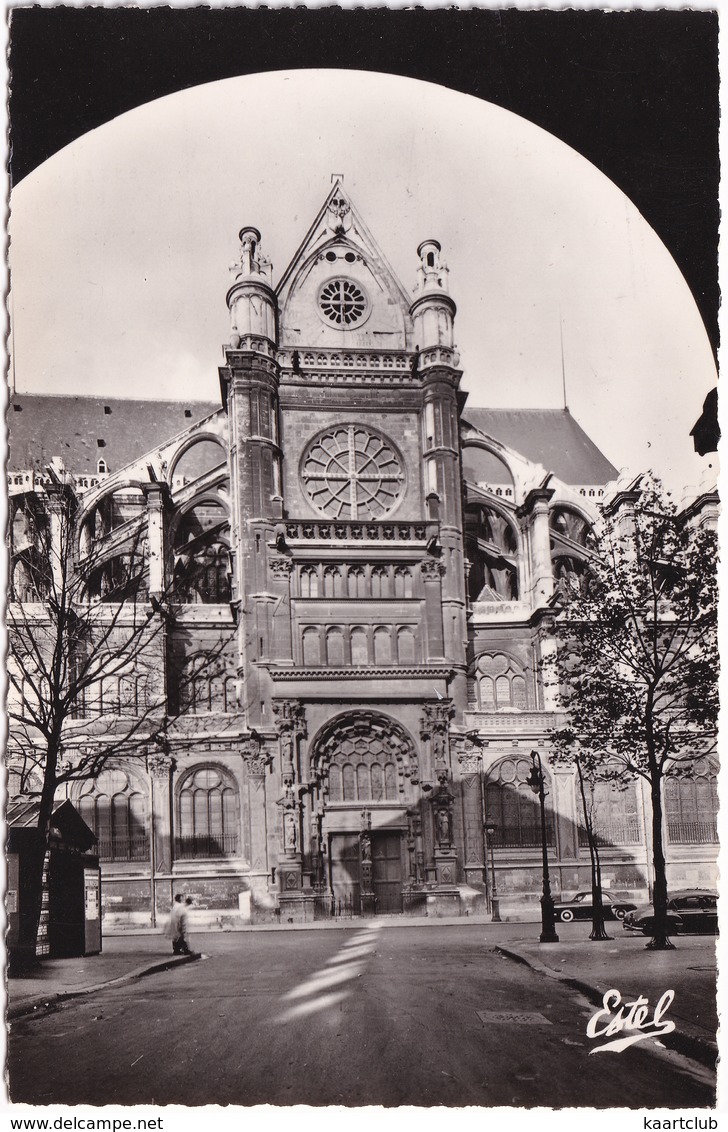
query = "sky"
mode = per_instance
[{"x": 121, "y": 242}]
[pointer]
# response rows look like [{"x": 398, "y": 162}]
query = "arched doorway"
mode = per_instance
[{"x": 366, "y": 765}]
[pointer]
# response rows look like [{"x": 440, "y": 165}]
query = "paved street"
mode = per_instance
[{"x": 369, "y": 1014}]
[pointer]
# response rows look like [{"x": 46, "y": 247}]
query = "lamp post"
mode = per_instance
[
  {"x": 535, "y": 781},
  {"x": 494, "y": 902}
]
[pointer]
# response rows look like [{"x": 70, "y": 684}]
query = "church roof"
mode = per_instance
[
  {"x": 550, "y": 437},
  {"x": 41, "y": 426},
  {"x": 84, "y": 430}
]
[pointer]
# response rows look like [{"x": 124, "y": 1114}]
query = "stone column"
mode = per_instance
[
  {"x": 534, "y": 514},
  {"x": 296, "y": 905},
  {"x": 281, "y": 647},
  {"x": 256, "y": 761},
  {"x": 366, "y": 880},
  {"x": 156, "y": 496},
  {"x": 436, "y": 727},
  {"x": 432, "y": 571},
  {"x": 61, "y": 505},
  {"x": 160, "y": 767},
  {"x": 472, "y": 811}
]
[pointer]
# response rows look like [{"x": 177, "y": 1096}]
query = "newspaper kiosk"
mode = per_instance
[{"x": 70, "y": 922}]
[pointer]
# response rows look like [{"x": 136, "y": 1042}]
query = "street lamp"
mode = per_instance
[
  {"x": 535, "y": 781},
  {"x": 490, "y": 829}
]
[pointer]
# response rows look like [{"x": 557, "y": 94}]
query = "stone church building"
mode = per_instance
[{"x": 356, "y": 570}]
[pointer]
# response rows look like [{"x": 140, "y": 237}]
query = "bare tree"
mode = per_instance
[
  {"x": 88, "y": 655},
  {"x": 637, "y": 656}
]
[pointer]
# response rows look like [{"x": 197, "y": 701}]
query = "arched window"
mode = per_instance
[
  {"x": 614, "y": 814},
  {"x": 231, "y": 694},
  {"x": 309, "y": 582},
  {"x": 361, "y": 772},
  {"x": 359, "y": 645},
  {"x": 207, "y": 815},
  {"x": 501, "y": 683},
  {"x": 332, "y": 577},
  {"x": 382, "y": 645},
  {"x": 201, "y": 687},
  {"x": 691, "y": 806},
  {"x": 380, "y": 581},
  {"x": 513, "y": 808},
  {"x": 365, "y": 757},
  {"x": 116, "y": 810},
  {"x": 311, "y": 640},
  {"x": 357, "y": 582},
  {"x": 402, "y": 582}
]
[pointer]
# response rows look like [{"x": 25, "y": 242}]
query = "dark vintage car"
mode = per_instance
[
  {"x": 580, "y": 907},
  {"x": 695, "y": 910}
]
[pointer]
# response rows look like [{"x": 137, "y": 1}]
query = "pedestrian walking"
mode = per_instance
[
  {"x": 185, "y": 948},
  {"x": 177, "y": 926}
]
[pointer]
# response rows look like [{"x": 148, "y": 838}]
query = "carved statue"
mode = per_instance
[
  {"x": 289, "y": 831},
  {"x": 444, "y": 827}
]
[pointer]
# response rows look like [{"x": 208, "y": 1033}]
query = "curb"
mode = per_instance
[
  {"x": 48, "y": 1001},
  {"x": 697, "y": 1049},
  {"x": 318, "y": 925}
]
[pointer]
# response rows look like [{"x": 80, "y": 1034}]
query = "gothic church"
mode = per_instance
[{"x": 375, "y": 563}]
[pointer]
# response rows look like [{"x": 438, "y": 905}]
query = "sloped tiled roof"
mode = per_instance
[
  {"x": 23, "y": 813},
  {"x": 43, "y": 426},
  {"x": 550, "y": 437}
]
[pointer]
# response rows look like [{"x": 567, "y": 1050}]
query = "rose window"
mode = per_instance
[
  {"x": 342, "y": 302},
  {"x": 353, "y": 472}
]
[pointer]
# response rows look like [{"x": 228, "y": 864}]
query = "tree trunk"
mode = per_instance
[
  {"x": 660, "y": 940},
  {"x": 27, "y": 955},
  {"x": 598, "y": 929}
]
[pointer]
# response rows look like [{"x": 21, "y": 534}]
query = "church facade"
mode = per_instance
[{"x": 356, "y": 574}]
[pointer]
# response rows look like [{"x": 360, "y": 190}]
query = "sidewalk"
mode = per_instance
[
  {"x": 55, "y": 980},
  {"x": 624, "y": 963}
]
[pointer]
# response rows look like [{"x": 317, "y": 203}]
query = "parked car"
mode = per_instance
[
  {"x": 580, "y": 907},
  {"x": 695, "y": 910}
]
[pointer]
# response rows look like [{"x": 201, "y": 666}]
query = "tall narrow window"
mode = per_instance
[
  {"x": 207, "y": 808},
  {"x": 380, "y": 581},
  {"x": 691, "y": 806},
  {"x": 309, "y": 582},
  {"x": 357, "y": 582},
  {"x": 513, "y": 808},
  {"x": 116, "y": 811},
  {"x": 402, "y": 582},
  {"x": 331, "y": 581}
]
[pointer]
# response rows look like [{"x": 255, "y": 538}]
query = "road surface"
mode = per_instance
[{"x": 371, "y": 1014}]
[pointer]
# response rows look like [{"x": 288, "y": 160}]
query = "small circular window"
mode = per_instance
[{"x": 342, "y": 302}]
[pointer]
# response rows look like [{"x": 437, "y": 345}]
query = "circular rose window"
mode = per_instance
[
  {"x": 353, "y": 472},
  {"x": 342, "y": 302}
]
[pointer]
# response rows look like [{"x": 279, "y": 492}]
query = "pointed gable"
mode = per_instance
[{"x": 339, "y": 291}]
